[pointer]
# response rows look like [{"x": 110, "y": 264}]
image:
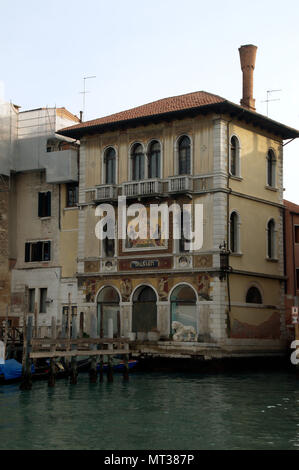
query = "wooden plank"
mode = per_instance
[
  {"x": 103, "y": 352},
  {"x": 26, "y": 372},
  {"x": 79, "y": 341}
]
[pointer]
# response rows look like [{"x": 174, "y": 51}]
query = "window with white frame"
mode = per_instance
[
  {"x": 271, "y": 169},
  {"x": 234, "y": 232},
  {"x": 234, "y": 156},
  {"x": 184, "y": 155},
  {"x": 271, "y": 251},
  {"x": 110, "y": 165},
  {"x": 154, "y": 160},
  {"x": 137, "y": 163}
]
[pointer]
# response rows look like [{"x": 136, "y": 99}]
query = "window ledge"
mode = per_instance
[
  {"x": 45, "y": 218},
  {"x": 235, "y": 177},
  {"x": 71, "y": 208},
  {"x": 272, "y": 260},
  {"x": 271, "y": 188},
  {"x": 236, "y": 254}
]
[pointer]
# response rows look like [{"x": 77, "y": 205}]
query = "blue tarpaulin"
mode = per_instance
[{"x": 12, "y": 369}]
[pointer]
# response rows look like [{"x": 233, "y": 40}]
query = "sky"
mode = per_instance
[{"x": 141, "y": 51}]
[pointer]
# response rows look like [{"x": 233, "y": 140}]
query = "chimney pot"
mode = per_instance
[{"x": 247, "y": 59}]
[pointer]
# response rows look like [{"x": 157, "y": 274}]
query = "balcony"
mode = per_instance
[
  {"x": 142, "y": 188},
  {"x": 106, "y": 192},
  {"x": 180, "y": 184}
]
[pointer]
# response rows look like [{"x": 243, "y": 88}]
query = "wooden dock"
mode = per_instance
[{"x": 69, "y": 350}]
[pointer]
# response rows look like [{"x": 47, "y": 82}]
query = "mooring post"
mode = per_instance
[
  {"x": 110, "y": 347},
  {"x": 74, "y": 371},
  {"x": 93, "y": 359},
  {"x": 52, "y": 370},
  {"x": 26, "y": 373},
  {"x": 101, "y": 374},
  {"x": 126, "y": 364},
  {"x": 68, "y": 332}
]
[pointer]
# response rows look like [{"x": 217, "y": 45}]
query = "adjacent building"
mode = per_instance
[
  {"x": 39, "y": 220},
  {"x": 291, "y": 261}
]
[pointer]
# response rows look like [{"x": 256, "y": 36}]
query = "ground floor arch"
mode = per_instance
[
  {"x": 108, "y": 310},
  {"x": 144, "y": 309},
  {"x": 183, "y": 306}
]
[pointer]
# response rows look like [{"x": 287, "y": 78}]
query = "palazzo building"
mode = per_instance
[{"x": 197, "y": 148}]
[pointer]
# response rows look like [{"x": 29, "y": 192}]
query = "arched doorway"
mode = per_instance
[
  {"x": 108, "y": 308},
  {"x": 144, "y": 315},
  {"x": 183, "y": 306}
]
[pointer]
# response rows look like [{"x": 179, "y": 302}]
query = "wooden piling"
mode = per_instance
[
  {"x": 68, "y": 331},
  {"x": 110, "y": 346},
  {"x": 52, "y": 369},
  {"x": 126, "y": 365},
  {"x": 93, "y": 359},
  {"x": 110, "y": 369},
  {"x": 101, "y": 373},
  {"x": 74, "y": 371},
  {"x": 26, "y": 383}
]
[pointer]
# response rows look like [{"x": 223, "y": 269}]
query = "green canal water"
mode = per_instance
[{"x": 154, "y": 411}]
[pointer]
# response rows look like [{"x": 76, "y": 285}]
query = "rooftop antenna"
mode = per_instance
[
  {"x": 85, "y": 91},
  {"x": 268, "y": 100}
]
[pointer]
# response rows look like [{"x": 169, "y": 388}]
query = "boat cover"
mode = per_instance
[{"x": 12, "y": 369}]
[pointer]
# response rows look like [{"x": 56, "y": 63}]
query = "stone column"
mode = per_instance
[{"x": 163, "y": 318}]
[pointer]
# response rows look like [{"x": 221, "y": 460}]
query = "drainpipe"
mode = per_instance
[
  {"x": 227, "y": 216},
  {"x": 59, "y": 208}
]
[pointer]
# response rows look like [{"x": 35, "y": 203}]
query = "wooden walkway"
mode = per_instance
[{"x": 70, "y": 349}]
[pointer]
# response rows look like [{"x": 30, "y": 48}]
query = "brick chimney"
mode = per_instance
[{"x": 247, "y": 58}]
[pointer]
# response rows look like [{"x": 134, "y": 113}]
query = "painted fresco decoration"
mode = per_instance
[
  {"x": 204, "y": 261},
  {"x": 163, "y": 288},
  {"x": 91, "y": 266},
  {"x": 126, "y": 289},
  {"x": 204, "y": 286},
  {"x": 88, "y": 287},
  {"x": 145, "y": 243}
]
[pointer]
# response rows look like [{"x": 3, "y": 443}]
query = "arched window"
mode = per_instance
[
  {"x": 184, "y": 146},
  {"x": 253, "y": 296},
  {"x": 234, "y": 156},
  {"x": 271, "y": 239},
  {"x": 271, "y": 169},
  {"x": 108, "y": 312},
  {"x": 154, "y": 160},
  {"x": 110, "y": 166},
  {"x": 183, "y": 306},
  {"x": 144, "y": 313},
  {"x": 137, "y": 158},
  {"x": 234, "y": 233}
]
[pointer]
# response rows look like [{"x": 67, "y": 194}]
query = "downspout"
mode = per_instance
[
  {"x": 59, "y": 207},
  {"x": 227, "y": 216}
]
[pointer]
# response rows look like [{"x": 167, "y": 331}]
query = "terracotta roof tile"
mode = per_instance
[{"x": 165, "y": 105}]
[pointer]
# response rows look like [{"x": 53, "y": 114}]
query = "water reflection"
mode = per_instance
[{"x": 154, "y": 411}]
